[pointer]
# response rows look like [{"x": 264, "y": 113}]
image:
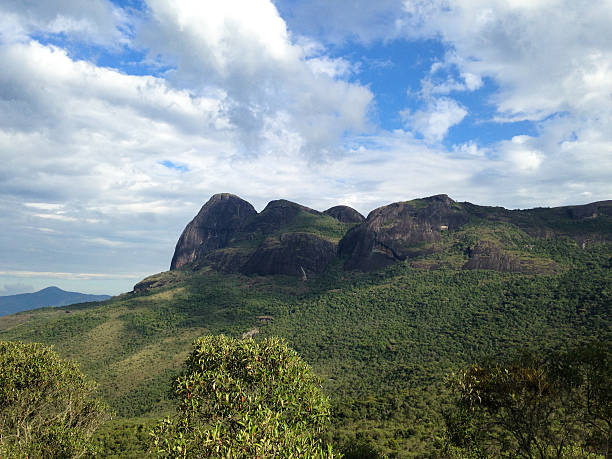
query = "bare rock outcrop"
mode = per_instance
[
  {"x": 399, "y": 231},
  {"x": 345, "y": 214},
  {"x": 212, "y": 228},
  {"x": 293, "y": 254},
  {"x": 487, "y": 255}
]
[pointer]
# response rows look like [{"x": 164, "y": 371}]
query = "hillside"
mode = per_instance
[
  {"x": 50, "y": 296},
  {"x": 382, "y": 308}
]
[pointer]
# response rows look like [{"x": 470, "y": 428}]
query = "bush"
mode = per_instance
[
  {"x": 241, "y": 398},
  {"x": 47, "y": 407},
  {"x": 559, "y": 406}
]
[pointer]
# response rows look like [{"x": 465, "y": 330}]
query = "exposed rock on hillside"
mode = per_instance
[
  {"x": 399, "y": 231},
  {"x": 293, "y": 254},
  {"x": 486, "y": 255},
  {"x": 216, "y": 223},
  {"x": 345, "y": 214},
  {"x": 228, "y": 235}
]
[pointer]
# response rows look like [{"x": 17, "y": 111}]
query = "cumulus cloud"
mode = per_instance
[
  {"x": 434, "y": 121},
  {"x": 243, "y": 47},
  {"x": 520, "y": 156},
  {"x": 546, "y": 56},
  {"x": 102, "y": 169},
  {"x": 95, "y": 21}
]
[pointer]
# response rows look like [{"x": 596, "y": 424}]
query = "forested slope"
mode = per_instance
[{"x": 382, "y": 340}]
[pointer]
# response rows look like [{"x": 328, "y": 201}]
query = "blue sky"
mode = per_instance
[{"x": 119, "y": 119}]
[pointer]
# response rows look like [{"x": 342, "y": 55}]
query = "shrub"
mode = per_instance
[
  {"x": 551, "y": 407},
  {"x": 242, "y": 398},
  {"x": 47, "y": 407}
]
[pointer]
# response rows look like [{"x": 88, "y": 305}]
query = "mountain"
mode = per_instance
[
  {"x": 288, "y": 238},
  {"x": 50, "y": 296},
  {"x": 383, "y": 308},
  {"x": 211, "y": 228},
  {"x": 285, "y": 238}
]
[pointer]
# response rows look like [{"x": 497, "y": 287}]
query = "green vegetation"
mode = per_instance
[
  {"x": 320, "y": 225},
  {"x": 534, "y": 407},
  {"x": 47, "y": 407},
  {"x": 323, "y": 226},
  {"x": 243, "y": 399},
  {"x": 382, "y": 342}
]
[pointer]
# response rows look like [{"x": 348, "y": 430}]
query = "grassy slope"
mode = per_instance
[{"x": 382, "y": 341}]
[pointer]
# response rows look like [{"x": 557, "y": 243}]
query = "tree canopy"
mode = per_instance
[
  {"x": 535, "y": 407},
  {"x": 243, "y": 398},
  {"x": 47, "y": 407}
]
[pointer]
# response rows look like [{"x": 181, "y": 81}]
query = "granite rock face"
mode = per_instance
[
  {"x": 212, "y": 228},
  {"x": 345, "y": 214},
  {"x": 399, "y": 231},
  {"x": 486, "y": 255},
  {"x": 228, "y": 235},
  {"x": 293, "y": 254}
]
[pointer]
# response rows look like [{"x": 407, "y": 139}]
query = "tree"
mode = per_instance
[
  {"x": 242, "y": 398},
  {"x": 535, "y": 407},
  {"x": 47, "y": 408}
]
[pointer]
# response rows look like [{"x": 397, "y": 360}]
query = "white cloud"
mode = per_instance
[
  {"x": 546, "y": 56},
  {"x": 520, "y": 155},
  {"x": 333, "y": 68},
  {"x": 243, "y": 47},
  {"x": 436, "y": 119},
  {"x": 96, "y": 21},
  {"x": 43, "y": 205}
]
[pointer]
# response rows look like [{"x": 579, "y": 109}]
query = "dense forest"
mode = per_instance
[{"x": 385, "y": 342}]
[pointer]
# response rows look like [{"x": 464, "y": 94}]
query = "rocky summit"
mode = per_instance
[
  {"x": 229, "y": 235},
  {"x": 212, "y": 228},
  {"x": 284, "y": 238}
]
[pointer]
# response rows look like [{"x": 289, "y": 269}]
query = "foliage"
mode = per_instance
[
  {"x": 124, "y": 438},
  {"x": 46, "y": 404},
  {"x": 535, "y": 407},
  {"x": 381, "y": 341},
  {"x": 241, "y": 398}
]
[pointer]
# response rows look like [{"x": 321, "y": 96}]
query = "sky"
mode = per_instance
[{"x": 119, "y": 119}]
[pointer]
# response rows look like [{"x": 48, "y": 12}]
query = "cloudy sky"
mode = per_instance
[{"x": 119, "y": 119}]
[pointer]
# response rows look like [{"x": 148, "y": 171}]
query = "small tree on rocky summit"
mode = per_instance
[
  {"x": 47, "y": 408},
  {"x": 242, "y": 398}
]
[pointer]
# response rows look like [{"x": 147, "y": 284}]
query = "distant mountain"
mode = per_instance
[{"x": 50, "y": 296}]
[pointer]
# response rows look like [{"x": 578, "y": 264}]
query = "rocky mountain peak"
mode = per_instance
[
  {"x": 345, "y": 214},
  {"x": 401, "y": 230},
  {"x": 212, "y": 228},
  {"x": 288, "y": 238},
  {"x": 284, "y": 206}
]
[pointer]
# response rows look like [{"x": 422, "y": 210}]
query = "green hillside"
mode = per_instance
[{"x": 383, "y": 341}]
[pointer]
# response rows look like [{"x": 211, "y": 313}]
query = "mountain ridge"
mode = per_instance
[
  {"x": 267, "y": 242},
  {"x": 48, "y": 297}
]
